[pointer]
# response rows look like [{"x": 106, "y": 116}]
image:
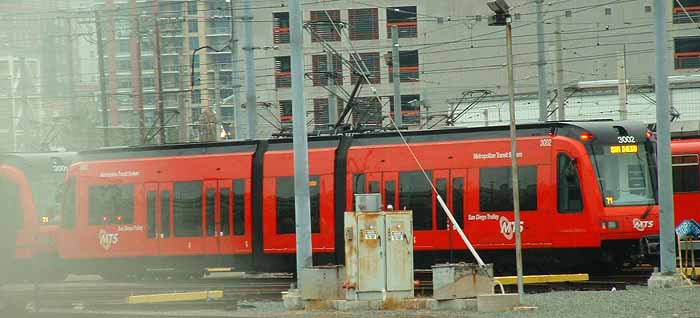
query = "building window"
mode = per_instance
[
  {"x": 405, "y": 19},
  {"x": 285, "y": 205},
  {"x": 410, "y": 108},
  {"x": 686, "y": 173},
  {"x": 196, "y": 96},
  {"x": 364, "y": 24},
  {"x": 111, "y": 204},
  {"x": 679, "y": 11},
  {"x": 408, "y": 63},
  {"x": 280, "y": 31},
  {"x": 319, "y": 68},
  {"x": 477, "y": 18},
  {"x": 188, "y": 209},
  {"x": 324, "y": 24},
  {"x": 608, "y": 11},
  {"x": 193, "y": 26},
  {"x": 371, "y": 61},
  {"x": 321, "y": 112},
  {"x": 569, "y": 188},
  {"x": 194, "y": 43},
  {"x": 285, "y": 111},
  {"x": 416, "y": 194},
  {"x": 567, "y": 13},
  {"x": 496, "y": 193},
  {"x": 687, "y": 52},
  {"x": 368, "y": 112},
  {"x": 516, "y": 16},
  {"x": 283, "y": 71}
]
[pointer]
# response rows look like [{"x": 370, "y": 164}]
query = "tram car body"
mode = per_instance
[
  {"x": 30, "y": 186},
  {"x": 686, "y": 178},
  {"x": 584, "y": 189}
]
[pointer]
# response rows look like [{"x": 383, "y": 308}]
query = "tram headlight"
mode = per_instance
[{"x": 609, "y": 225}]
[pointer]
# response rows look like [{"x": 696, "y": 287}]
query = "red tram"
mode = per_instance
[
  {"x": 29, "y": 184},
  {"x": 686, "y": 178},
  {"x": 587, "y": 194}
]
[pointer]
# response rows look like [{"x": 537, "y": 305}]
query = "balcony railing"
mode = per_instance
[
  {"x": 687, "y": 60},
  {"x": 679, "y": 15},
  {"x": 283, "y": 79},
  {"x": 407, "y": 29},
  {"x": 280, "y": 35},
  {"x": 408, "y": 73}
]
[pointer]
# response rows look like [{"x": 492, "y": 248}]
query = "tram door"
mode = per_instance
[
  {"x": 211, "y": 215},
  {"x": 574, "y": 220},
  {"x": 159, "y": 207}
]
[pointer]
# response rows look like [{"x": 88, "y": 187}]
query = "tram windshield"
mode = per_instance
[{"x": 625, "y": 174}]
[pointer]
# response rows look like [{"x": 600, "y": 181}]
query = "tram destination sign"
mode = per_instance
[{"x": 618, "y": 149}]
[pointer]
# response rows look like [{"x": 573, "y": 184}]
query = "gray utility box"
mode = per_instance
[
  {"x": 323, "y": 282},
  {"x": 379, "y": 255},
  {"x": 371, "y": 202},
  {"x": 461, "y": 280}
]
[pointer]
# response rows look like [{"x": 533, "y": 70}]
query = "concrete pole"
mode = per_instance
[
  {"x": 396, "y": 66},
  {"x": 559, "y": 78},
  {"x": 541, "y": 74},
  {"x": 514, "y": 159},
  {"x": 663, "y": 141},
  {"x": 251, "y": 99},
  {"x": 235, "y": 77},
  {"x": 622, "y": 83},
  {"x": 136, "y": 78},
  {"x": 160, "y": 109},
  {"x": 103, "y": 80},
  {"x": 332, "y": 99},
  {"x": 185, "y": 107},
  {"x": 13, "y": 113},
  {"x": 302, "y": 203}
]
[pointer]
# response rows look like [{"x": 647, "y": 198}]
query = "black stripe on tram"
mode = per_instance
[
  {"x": 257, "y": 188},
  {"x": 341, "y": 169}
]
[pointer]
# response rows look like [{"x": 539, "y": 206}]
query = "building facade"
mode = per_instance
[{"x": 452, "y": 64}]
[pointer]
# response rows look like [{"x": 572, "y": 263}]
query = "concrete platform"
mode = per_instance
[
  {"x": 659, "y": 280},
  {"x": 497, "y": 302}
]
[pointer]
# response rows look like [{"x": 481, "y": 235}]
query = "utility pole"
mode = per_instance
[
  {"x": 160, "y": 110},
  {"x": 218, "y": 122},
  {"x": 185, "y": 106},
  {"x": 502, "y": 17},
  {"x": 667, "y": 250},
  {"x": 486, "y": 117},
  {"x": 541, "y": 74},
  {"x": 559, "y": 78},
  {"x": 251, "y": 99},
  {"x": 103, "y": 80},
  {"x": 136, "y": 79},
  {"x": 111, "y": 46},
  {"x": 302, "y": 203},
  {"x": 396, "y": 70},
  {"x": 13, "y": 113},
  {"x": 235, "y": 76},
  {"x": 71, "y": 66},
  {"x": 332, "y": 98},
  {"x": 622, "y": 82}
]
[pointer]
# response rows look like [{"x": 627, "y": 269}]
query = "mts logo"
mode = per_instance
[
  {"x": 641, "y": 225},
  {"x": 508, "y": 227}
]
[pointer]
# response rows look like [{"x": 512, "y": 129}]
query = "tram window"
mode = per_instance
[
  {"x": 358, "y": 185},
  {"x": 374, "y": 187},
  {"x": 415, "y": 194},
  {"x": 441, "y": 185},
  {"x": 686, "y": 173},
  {"x": 111, "y": 204},
  {"x": 569, "y": 195},
  {"x": 225, "y": 197},
  {"x": 151, "y": 213},
  {"x": 458, "y": 200},
  {"x": 238, "y": 207},
  {"x": 390, "y": 193},
  {"x": 187, "y": 212},
  {"x": 210, "y": 213},
  {"x": 496, "y": 193},
  {"x": 285, "y": 205},
  {"x": 69, "y": 204},
  {"x": 165, "y": 214}
]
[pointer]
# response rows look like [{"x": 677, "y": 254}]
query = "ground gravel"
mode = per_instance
[{"x": 637, "y": 302}]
